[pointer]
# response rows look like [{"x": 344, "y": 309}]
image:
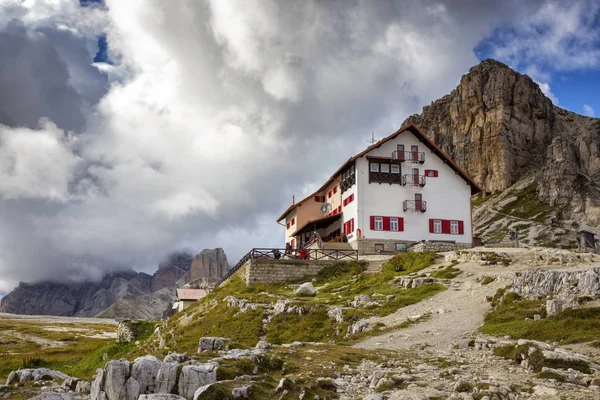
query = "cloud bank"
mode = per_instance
[{"x": 208, "y": 118}]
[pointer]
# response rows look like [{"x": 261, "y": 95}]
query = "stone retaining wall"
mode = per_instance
[
  {"x": 280, "y": 271},
  {"x": 425, "y": 247},
  {"x": 373, "y": 246}
]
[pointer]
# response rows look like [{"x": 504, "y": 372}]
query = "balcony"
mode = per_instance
[
  {"x": 415, "y": 205},
  {"x": 410, "y": 156},
  {"x": 413, "y": 180}
]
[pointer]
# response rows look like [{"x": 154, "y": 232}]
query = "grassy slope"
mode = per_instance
[{"x": 569, "y": 326}]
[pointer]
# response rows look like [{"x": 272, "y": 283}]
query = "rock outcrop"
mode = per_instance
[
  {"x": 207, "y": 267},
  {"x": 500, "y": 127}
]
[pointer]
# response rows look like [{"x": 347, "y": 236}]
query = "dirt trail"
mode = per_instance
[{"x": 453, "y": 314}]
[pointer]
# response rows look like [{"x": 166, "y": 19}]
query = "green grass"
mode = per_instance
[
  {"x": 480, "y": 201},
  {"x": 409, "y": 262},
  {"x": 537, "y": 360},
  {"x": 446, "y": 273},
  {"x": 486, "y": 280},
  {"x": 569, "y": 326},
  {"x": 528, "y": 205}
]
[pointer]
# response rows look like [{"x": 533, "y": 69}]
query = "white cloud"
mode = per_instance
[
  {"x": 559, "y": 35},
  {"x": 215, "y": 116},
  {"x": 36, "y": 163},
  {"x": 588, "y": 110}
]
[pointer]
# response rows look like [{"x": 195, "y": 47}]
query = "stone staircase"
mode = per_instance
[{"x": 374, "y": 267}]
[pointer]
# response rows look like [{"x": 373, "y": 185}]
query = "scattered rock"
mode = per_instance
[
  {"x": 306, "y": 289},
  {"x": 262, "y": 345},
  {"x": 192, "y": 377},
  {"x": 212, "y": 344}
]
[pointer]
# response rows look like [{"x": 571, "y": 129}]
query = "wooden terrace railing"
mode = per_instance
[{"x": 279, "y": 254}]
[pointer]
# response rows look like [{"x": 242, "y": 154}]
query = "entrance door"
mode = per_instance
[
  {"x": 418, "y": 201},
  {"x": 400, "y": 149},
  {"x": 415, "y": 152},
  {"x": 415, "y": 174}
]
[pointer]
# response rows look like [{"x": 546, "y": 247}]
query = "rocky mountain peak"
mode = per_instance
[{"x": 500, "y": 127}]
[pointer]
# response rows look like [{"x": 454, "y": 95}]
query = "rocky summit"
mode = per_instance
[
  {"x": 118, "y": 295},
  {"x": 500, "y": 127}
]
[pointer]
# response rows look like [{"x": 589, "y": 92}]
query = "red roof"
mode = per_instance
[
  {"x": 191, "y": 294},
  {"x": 421, "y": 136}
]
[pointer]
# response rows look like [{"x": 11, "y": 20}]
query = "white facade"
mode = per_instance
[{"x": 447, "y": 196}]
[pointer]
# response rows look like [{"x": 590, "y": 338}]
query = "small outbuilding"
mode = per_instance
[
  {"x": 186, "y": 297},
  {"x": 586, "y": 241}
]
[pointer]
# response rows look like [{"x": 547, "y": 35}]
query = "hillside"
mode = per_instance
[
  {"x": 424, "y": 327},
  {"x": 499, "y": 126},
  {"x": 126, "y": 294}
]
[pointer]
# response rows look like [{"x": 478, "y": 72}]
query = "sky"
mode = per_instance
[{"x": 130, "y": 129}]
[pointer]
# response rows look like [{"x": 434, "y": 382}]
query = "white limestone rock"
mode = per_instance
[
  {"x": 193, "y": 377},
  {"x": 306, "y": 289},
  {"x": 145, "y": 371}
]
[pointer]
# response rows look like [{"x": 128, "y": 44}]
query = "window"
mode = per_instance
[
  {"x": 348, "y": 199},
  {"x": 437, "y": 226},
  {"x": 288, "y": 225},
  {"x": 454, "y": 227},
  {"x": 349, "y": 226},
  {"x": 374, "y": 167},
  {"x": 378, "y": 223},
  {"x": 334, "y": 189},
  {"x": 401, "y": 247},
  {"x": 385, "y": 168},
  {"x": 320, "y": 199},
  {"x": 293, "y": 221},
  {"x": 431, "y": 173},
  {"x": 329, "y": 194},
  {"x": 394, "y": 224},
  {"x": 395, "y": 169}
]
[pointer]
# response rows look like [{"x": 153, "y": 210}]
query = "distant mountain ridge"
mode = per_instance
[
  {"x": 541, "y": 161},
  {"x": 124, "y": 294}
]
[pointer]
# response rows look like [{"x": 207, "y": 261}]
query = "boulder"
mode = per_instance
[
  {"x": 193, "y": 377},
  {"x": 553, "y": 307},
  {"x": 336, "y": 313},
  {"x": 13, "y": 377},
  {"x": 361, "y": 300},
  {"x": 167, "y": 377},
  {"x": 144, "y": 371},
  {"x": 115, "y": 379},
  {"x": 358, "y": 327},
  {"x": 82, "y": 387},
  {"x": 97, "y": 387},
  {"x": 241, "y": 392},
  {"x": 306, "y": 289},
  {"x": 70, "y": 383},
  {"x": 212, "y": 344},
  {"x": 175, "y": 357},
  {"x": 262, "y": 345}
]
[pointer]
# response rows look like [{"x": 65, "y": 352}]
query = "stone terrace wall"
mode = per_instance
[
  {"x": 280, "y": 271},
  {"x": 368, "y": 246},
  {"x": 425, "y": 247}
]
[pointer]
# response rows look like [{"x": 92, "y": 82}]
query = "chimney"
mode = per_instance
[{"x": 293, "y": 199}]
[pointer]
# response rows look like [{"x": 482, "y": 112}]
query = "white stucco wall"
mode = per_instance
[
  {"x": 350, "y": 211},
  {"x": 447, "y": 196}
]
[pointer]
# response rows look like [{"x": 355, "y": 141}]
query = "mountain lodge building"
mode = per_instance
[{"x": 399, "y": 191}]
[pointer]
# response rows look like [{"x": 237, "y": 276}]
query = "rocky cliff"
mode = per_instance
[
  {"x": 500, "y": 127},
  {"x": 125, "y": 294}
]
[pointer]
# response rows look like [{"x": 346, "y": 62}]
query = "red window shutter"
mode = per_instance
[
  {"x": 386, "y": 223},
  {"x": 288, "y": 225},
  {"x": 435, "y": 173},
  {"x": 335, "y": 190},
  {"x": 400, "y": 224},
  {"x": 293, "y": 221},
  {"x": 345, "y": 202},
  {"x": 445, "y": 226},
  {"x": 461, "y": 227},
  {"x": 339, "y": 209},
  {"x": 352, "y": 197},
  {"x": 372, "y": 223},
  {"x": 431, "y": 226},
  {"x": 352, "y": 225}
]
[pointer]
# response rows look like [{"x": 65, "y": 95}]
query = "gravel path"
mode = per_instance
[{"x": 455, "y": 313}]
